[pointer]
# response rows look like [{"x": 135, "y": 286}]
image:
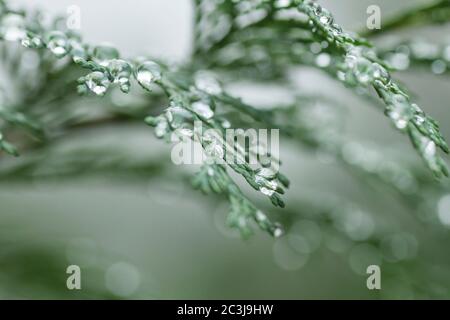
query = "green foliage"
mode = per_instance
[{"x": 258, "y": 39}]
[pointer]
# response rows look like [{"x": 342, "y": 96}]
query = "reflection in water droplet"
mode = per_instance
[
  {"x": 97, "y": 82},
  {"x": 147, "y": 73},
  {"x": 202, "y": 109},
  {"x": 400, "y": 111},
  {"x": 58, "y": 44},
  {"x": 121, "y": 71}
]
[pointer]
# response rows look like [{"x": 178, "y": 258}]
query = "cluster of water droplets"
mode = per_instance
[
  {"x": 121, "y": 72},
  {"x": 359, "y": 69},
  {"x": 58, "y": 44},
  {"x": 214, "y": 146},
  {"x": 160, "y": 124},
  {"x": 399, "y": 111},
  {"x": 109, "y": 69},
  {"x": 321, "y": 19},
  {"x": 266, "y": 179},
  {"x": 275, "y": 229},
  {"x": 104, "y": 60},
  {"x": 175, "y": 119},
  {"x": 147, "y": 73}
]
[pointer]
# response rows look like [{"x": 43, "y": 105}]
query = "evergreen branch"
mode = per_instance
[
  {"x": 187, "y": 104},
  {"x": 348, "y": 58}
]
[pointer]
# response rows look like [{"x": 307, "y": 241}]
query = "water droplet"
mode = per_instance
[
  {"x": 380, "y": 73},
  {"x": 177, "y": 116},
  {"x": 121, "y": 71},
  {"x": 32, "y": 41},
  {"x": 260, "y": 216},
  {"x": 12, "y": 27},
  {"x": 97, "y": 82},
  {"x": 103, "y": 54},
  {"x": 161, "y": 128},
  {"x": 226, "y": 124},
  {"x": 317, "y": 8},
  {"x": 206, "y": 82},
  {"x": 266, "y": 191},
  {"x": 325, "y": 18},
  {"x": 147, "y": 73},
  {"x": 282, "y": 3},
  {"x": 430, "y": 149},
  {"x": 57, "y": 43},
  {"x": 400, "y": 111},
  {"x": 77, "y": 51},
  {"x": 203, "y": 110},
  {"x": 336, "y": 30},
  {"x": 278, "y": 231},
  {"x": 266, "y": 173},
  {"x": 184, "y": 132},
  {"x": 362, "y": 71},
  {"x": 215, "y": 150}
]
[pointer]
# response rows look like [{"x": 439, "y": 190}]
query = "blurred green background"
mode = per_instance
[{"x": 155, "y": 238}]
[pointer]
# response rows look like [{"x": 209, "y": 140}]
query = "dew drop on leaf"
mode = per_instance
[
  {"x": 203, "y": 110},
  {"x": 147, "y": 73},
  {"x": 103, "y": 54},
  {"x": 97, "y": 82},
  {"x": 57, "y": 43},
  {"x": 121, "y": 71}
]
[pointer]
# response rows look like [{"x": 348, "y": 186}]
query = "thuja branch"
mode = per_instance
[
  {"x": 322, "y": 43},
  {"x": 190, "y": 100}
]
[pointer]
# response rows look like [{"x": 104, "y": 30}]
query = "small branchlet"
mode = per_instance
[{"x": 322, "y": 43}]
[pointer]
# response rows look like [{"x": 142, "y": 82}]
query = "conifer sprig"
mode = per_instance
[
  {"x": 191, "y": 99},
  {"x": 314, "y": 39},
  {"x": 263, "y": 37}
]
